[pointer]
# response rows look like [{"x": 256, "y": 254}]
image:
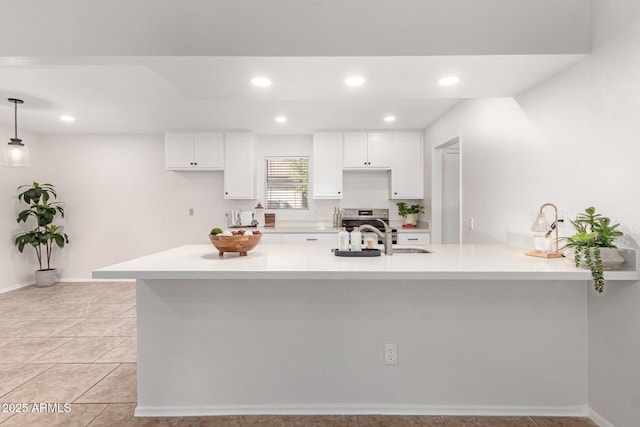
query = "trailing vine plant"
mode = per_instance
[{"x": 593, "y": 231}]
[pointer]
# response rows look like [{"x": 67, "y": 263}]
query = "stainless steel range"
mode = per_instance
[{"x": 352, "y": 217}]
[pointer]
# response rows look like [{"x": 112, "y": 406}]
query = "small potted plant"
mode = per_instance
[
  {"x": 593, "y": 245},
  {"x": 409, "y": 213},
  {"x": 42, "y": 238}
]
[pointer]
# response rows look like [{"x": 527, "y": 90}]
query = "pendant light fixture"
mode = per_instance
[{"x": 16, "y": 153}]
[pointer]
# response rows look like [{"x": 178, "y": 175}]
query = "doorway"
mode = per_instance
[{"x": 446, "y": 206}]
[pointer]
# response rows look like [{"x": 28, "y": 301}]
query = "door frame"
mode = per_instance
[{"x": 436, "y": 187}]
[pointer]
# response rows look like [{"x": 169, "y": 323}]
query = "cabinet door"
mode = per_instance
[
  {"x": 239, "y": 166},
  {"x": 407, "y": 170},
  {"x": 355, "y": 150},
  {"x": 327, "y": 165},
  {"x": 271, "y": 239},
  {"x": 310, "y": 238},
  {"x": 178, "y": 150},
  {"x": 379, "y": 150},
  {"x": 208, "y": 150}
]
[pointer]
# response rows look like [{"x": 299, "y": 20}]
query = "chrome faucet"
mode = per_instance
[{"x": 387, "y": 238}]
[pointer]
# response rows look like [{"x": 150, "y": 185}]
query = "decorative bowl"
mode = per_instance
[{"x": 236, "y": 243}]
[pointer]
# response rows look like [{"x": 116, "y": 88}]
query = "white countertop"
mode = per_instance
[
  {"x": 292, "y": 229},
  {"x": 314, "y": 261}
]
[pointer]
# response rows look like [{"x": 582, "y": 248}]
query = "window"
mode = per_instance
[{"x": 286, "y": 182}]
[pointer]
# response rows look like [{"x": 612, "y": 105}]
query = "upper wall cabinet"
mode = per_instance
[
  {"x": 194, "y": 150},
  {"x": 327, "y": 165},
  {"x": 407, "y": 171},
  {"x": 239, "y": 165},
  {"x": 367, "y": 150}
]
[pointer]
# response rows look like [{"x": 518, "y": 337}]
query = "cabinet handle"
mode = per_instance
[
  {"x": 226, "y": 192},
  {"x": 412, "y": 239},
  {"x": 311, "y": 240},
  {"x": 339, "y": 192},
  {"x": 195, "y": 163},
  {"x": 396, "y": 193}
]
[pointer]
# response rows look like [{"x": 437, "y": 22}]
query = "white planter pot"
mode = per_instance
[
  {"x": 610, "y": 258},
  {"x": 46, "y": 278},
  {"x": 410, "y": 219}
]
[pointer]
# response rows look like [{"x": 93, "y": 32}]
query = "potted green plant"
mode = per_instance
[
  {"x": 593, "y": 245},
  {"x": 409, "y": 212},
  {"x": 43, "y": 237}
]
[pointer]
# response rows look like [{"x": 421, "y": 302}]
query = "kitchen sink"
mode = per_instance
[{"x": 410, "y": 251}]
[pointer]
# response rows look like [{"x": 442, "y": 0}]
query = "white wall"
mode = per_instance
[
  {"x": 573, "y": 141},
  {"x": 16, "y": 268}
]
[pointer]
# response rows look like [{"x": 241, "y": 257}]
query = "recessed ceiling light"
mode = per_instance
[
  {"x": 390, "y": 119},
  {"x": 355, "y": 81},
  {"x": 261, "y": 81},
  {"x": 448, "y": 81},
  {"x": 68, "y": 119},
  {"x": 281, "y": 119}
]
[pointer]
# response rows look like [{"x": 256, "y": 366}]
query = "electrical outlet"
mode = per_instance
[
  {"x": 391, "y": 354},
  {"x": 190, "y": 211},
  {"x": 472, "y": 225}
]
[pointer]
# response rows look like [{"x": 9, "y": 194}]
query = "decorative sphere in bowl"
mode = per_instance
[{"x": 238, "y": 242}]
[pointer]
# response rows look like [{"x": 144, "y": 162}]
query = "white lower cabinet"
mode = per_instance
[
  {"x": 299, "y": 238},
  {"x": 414, "y": 238},
  {"x": 271, "y": 238}
]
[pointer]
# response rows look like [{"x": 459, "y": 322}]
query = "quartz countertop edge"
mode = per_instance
[
  {"x": 316, "y": 262},
  {"x": 294, "y": 229}
]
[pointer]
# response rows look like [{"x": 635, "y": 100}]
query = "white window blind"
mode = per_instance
[{"x": 286, "y": 182}]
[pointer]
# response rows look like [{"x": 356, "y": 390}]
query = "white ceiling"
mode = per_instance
[
  {"x": 144, "y": 66},
  {"x": 153, "y": 94}
]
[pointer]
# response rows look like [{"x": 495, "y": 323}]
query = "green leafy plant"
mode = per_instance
[
  {"x": 42, "y": 207},
  {"x": 404, "y": 209},
  {"x": 593, "y": 231}
]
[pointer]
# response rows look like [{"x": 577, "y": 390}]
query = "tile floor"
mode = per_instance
[{"x": 75, "y": 343}]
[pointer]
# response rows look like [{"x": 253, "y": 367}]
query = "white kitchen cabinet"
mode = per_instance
[
  {"x": 271, "y": 238},
  {"x": 194, "y": 150},
  {"x": 326, "y": 171},
  {"x": 407, "y": 169},
  {"x": 414, "y": 238},
  {"x": 367, "y": 150},
  {"x": 310, "y": 238},
  {"x": 239, "y": 165}
]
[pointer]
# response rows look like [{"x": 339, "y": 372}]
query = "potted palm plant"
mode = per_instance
[
  {"x": 45, "y": 235},
  {"x": 593, "y": 245}
]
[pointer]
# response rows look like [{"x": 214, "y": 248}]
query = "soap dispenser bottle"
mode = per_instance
[
  {"x": 343, "y": 240},
  {"x": 356, "y": 240}
]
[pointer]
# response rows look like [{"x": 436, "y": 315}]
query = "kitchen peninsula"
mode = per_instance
[{"x": 480, "y": 329}]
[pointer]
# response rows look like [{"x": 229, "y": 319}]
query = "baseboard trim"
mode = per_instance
[
  {"x": 372, "y": 409},
  {"x": 63, "y": 280},
  {"x": 598, "y": 419},
  {"x": 91, "y": 280},
  {"x": 18, "y": 286}
]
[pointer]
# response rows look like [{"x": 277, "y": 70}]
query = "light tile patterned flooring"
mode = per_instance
[{"x": 75, "y": 343}]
